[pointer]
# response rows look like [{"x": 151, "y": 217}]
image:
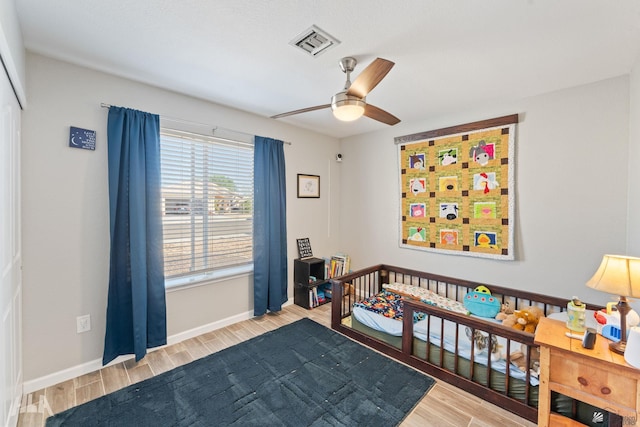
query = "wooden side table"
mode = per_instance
[{"x": 598, "y": 377}]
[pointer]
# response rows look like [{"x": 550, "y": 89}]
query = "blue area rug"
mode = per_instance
[{"x": 301, "y": 374}]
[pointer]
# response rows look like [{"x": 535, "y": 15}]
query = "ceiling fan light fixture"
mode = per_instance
[{"x": 347, "y": 108}]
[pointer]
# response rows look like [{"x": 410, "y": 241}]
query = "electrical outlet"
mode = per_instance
[{"x": 83, "y": 323}]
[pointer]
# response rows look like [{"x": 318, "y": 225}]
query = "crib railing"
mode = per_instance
[{"x": 466, "y": 373}]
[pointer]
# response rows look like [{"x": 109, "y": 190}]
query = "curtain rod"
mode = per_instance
[{"x": 213, "y": 129}]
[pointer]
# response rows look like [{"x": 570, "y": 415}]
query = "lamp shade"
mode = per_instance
[
  {"x": 348, "y": 113},
  {"x": 347, "y": 108},
  {"x": 617, "y": 275}
]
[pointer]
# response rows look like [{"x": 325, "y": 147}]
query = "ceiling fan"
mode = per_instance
[{"x": 350, "y": 103}]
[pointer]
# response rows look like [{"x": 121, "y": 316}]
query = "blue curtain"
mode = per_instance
[
  {"x": 269, "y": 226},
  {"x": 136, "y": 308}
]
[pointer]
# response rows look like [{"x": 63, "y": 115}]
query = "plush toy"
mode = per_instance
[
  {"x": 519, "y": 359},
  {"x": 481, "y": 303},
  {"x": 525, "y": 319},
  {"x": 482, "y": 345},
  {"x": 510, "y": 320},
  {"x": 505, "y": 311},
  {"x": 348, "y": 289},
  {"x": 537, "y": 311}
]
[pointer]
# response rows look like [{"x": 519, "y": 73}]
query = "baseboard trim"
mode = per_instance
[{"x": 94, "y": 365}]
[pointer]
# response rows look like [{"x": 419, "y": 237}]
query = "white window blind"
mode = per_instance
[{"x": 207, "y": 196}]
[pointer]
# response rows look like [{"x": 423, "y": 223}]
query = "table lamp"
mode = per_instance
[{"x": 618, "y": 275}]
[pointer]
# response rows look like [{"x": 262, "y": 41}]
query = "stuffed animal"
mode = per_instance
[
  {"x": 525, "y": 319},
  {"x": 537, "y": 311},
  {"x": 348, "y": 289},
  {"x": 519, "y": 358},
  {"x": 510, "y": 320},
  {"x": 481, "y": 303},
  {"x": 482, "y": 345},
  {"x": 505, "y": 311}
]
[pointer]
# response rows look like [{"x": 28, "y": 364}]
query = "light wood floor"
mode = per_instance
[{"x": 443, "y": 406}]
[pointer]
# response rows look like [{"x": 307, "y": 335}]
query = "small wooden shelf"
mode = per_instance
[{"x": 303, "y": 270}]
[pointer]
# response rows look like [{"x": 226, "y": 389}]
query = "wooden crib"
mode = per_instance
[{"x": 446, "y": 357}]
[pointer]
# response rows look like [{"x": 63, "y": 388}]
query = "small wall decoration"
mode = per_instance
[
  {"x": 308, "y": 186},
  {"x": 82, "y": 138},
  {"x": 304, "y": 248},
  {"x": 457, "y": 189}
]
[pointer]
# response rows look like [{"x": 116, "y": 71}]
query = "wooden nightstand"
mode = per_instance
[{"x": 598, "y": 377}]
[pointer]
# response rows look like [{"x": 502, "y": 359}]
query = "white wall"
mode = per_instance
[
  {"x": 571, "y": 192},
  {"x": 65, "y": 211},
  {"x": 633, "y": 236}
]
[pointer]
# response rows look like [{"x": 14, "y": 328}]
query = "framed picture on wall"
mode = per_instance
[{"x": 308, "y": 186}]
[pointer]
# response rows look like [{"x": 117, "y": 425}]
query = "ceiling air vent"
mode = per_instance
[{"x": 314, "y": 41}]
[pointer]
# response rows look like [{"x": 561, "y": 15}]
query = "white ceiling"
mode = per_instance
[{"x": 450, "y": 55}]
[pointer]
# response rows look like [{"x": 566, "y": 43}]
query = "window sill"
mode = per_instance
[{"x": 202, "y": 279}]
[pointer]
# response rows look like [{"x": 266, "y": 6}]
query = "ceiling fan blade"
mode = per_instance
[
  {"x": 303, "y": 110},
  {"x": 380, "y": 115},
  {"x": 370, "y": 77}
]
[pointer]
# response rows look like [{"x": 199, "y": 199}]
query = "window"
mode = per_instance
[{"x": 207, "y": 205}]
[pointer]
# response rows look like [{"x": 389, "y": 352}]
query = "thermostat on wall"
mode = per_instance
[{"x": 82, "y": 138}]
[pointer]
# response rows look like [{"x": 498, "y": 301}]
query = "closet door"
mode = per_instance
[{"x": 10, "y": 256}]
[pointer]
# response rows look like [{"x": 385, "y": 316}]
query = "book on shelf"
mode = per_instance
[
  {"x": 319, "y": 295},
  {"x": 339, "y": 265},
  {"x": 328, "y": 291},
  {"x": 327, "y": 267},
  {"x": 311, "y": 301}
]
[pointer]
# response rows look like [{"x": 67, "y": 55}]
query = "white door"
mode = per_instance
[{"x": 10, "y": 256}]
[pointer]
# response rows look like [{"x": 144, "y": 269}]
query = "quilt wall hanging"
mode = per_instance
[{"x": 457, "y": 189}]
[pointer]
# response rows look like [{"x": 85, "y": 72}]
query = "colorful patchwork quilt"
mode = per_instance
[
  {"x": 388, "y": 304},
  {"x": 426, "y": 296}
]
